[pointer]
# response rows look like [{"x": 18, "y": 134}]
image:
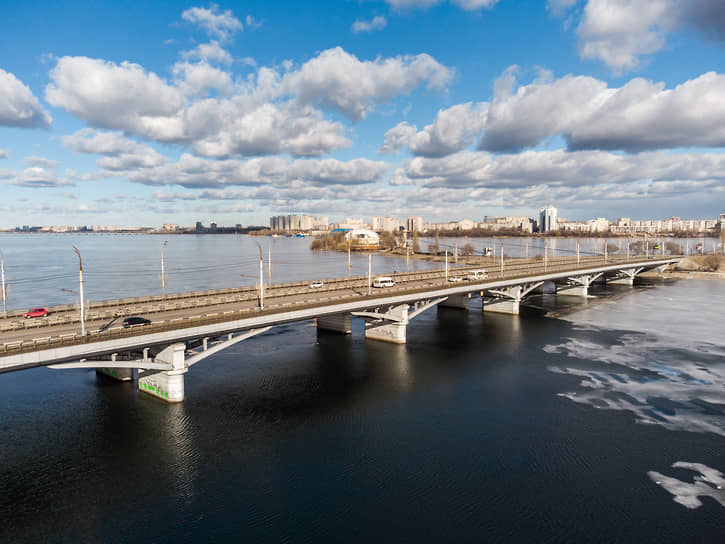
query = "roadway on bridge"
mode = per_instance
[{"x": 277, "y": 298}]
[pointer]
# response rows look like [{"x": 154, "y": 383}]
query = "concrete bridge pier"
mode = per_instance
[
  {"x": 578, "y": 286},
  {"x": 391, "y": 324},
  {"x": 547, "y": 287},
  {"x": 389, "y": 327},
  {"x": 508, "y": 299},
  {"x": 167, "y": 385},
  {"x": 341, "y": 323},
  {"x": 456, "y": 301},
  {"x": 625, "y": 276},
  {"x": 120, "y": 374}
]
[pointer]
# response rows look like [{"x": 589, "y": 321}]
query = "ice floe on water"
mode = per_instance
[
  {"x": 661, "y": 358},
  {"x": 658, "y": 385},
  {"x": 708, "y": 483}
]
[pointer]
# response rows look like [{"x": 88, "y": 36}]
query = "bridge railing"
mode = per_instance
[{"x": 516, "y": 270}]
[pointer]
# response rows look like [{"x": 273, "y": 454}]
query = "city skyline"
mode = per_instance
[{"x": 194, "y": 111}]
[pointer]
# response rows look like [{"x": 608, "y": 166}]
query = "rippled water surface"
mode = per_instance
[{"x": 581, "y": 420}]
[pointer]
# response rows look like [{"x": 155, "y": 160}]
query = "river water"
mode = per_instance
[{"x": 595, "y": 420}]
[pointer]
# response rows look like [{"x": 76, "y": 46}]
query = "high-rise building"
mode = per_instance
[
  {"x": 414, "y": 224},
  {"x": 547, "y": 219}
]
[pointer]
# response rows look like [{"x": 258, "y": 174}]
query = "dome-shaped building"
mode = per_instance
[{"x": 362, "y": 239}]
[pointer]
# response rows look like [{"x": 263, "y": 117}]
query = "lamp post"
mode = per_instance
[
  {"x": 502, "y": 258},
  {"x": 577, "y": 251},
  {"x": 546, "y": 253},
  {"x": 80, "y": 278},
  {"x": 370, "y": 273},
  {"x": 261, "y": 278},
  {"x": 446, "y": 266},
  {"x": 5, "y": 292},
  {"x": 163, "y": 272}
]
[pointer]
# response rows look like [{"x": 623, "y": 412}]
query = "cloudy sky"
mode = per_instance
[{"x": 139, "y": 113}]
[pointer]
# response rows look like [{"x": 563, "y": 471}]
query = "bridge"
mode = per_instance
[{"x": 186, "y": 328}]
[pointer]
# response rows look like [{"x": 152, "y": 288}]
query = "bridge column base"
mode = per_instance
[
  {"x": 341, "y": 323},
  {"x": 508, "y": 299},
  {"x": 622, "y": 281},
  {"x": 573, "y": 291},
  {"x": 578, "y": 286},
  {"x": 120, "y": 374},
  {"x": 167, "y": 385},
  {"x": 625, "y": 276},
  {"x": 501, "y": 306},
  {"x": 456, "y": 301},
  {"x": 389, "y": 331}
]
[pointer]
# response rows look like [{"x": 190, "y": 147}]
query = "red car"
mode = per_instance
[{"x": 36, "y": 312}]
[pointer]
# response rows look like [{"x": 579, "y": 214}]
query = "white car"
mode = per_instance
[
  {"x": 316, "y": 284},
  {"x": 455, "y": 278}
]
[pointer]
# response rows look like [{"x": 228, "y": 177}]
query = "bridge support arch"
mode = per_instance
[
  {"x": 578, "y": 286},
  {"x": 625, "y": 276},
  {"x": 391, "y": 324},
  {"x": 163, "y": 375},
  {"x": 508, "y": 299}
]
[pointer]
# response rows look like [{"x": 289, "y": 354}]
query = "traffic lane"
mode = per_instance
[
  {"x": 357, "y": 286},
  {"x": 283, "y": 301},
  {"x": 277, "y": 301}
]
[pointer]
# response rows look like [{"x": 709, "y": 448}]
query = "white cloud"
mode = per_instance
[
  {"x": 227, "y": 128},
  {"x": 4, "y": 153},
  {"x": 584, "y": 111},
  {"x": 38, "y": 177},
  {"x": 268, "y": 112},
  {"x": 339, "y": 80},
  {"x": 209, "y": 52},
  {"x": 277, "y": 172},
  {"x": 562, "y": 168},
  {"x": 196, "y": 79},
  {"x": 18, "y": 106},
  {"x": 377, "y": 23},
  {"x": 468, "y": 5},
  {"x": 558, "y": 7},
  {"x": 398, "y": 136},
  {"x": 621, "y": 32},
  {"x": 40, "y": 161},
  {"x": 119, "y": 153},
  {"x": 252, "y": 23},
  {"x": 472, "y": 5},
  {"x": 222, "y": 24},
  {"x": 117, "y": 96},
  {"x": 640, "y": 115},
  {"x": 452, "y": 130}
]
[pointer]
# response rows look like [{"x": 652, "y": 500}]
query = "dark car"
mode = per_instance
[{"x": 133, "y": 321}]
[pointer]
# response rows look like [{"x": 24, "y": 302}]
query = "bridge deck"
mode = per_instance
[{"x": 212, "y": 313}]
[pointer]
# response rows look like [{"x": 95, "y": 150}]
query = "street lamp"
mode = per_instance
[
  {"x": 261, "y": 278},
  {"x": 163, "y": 272},
  {"x": 370, "y": 273},
  {"x": 5, "y": 292},
  {"x": 80, "y": 277}
]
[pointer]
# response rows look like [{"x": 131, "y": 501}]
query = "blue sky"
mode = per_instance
[{"x": 144, "y": 113}]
